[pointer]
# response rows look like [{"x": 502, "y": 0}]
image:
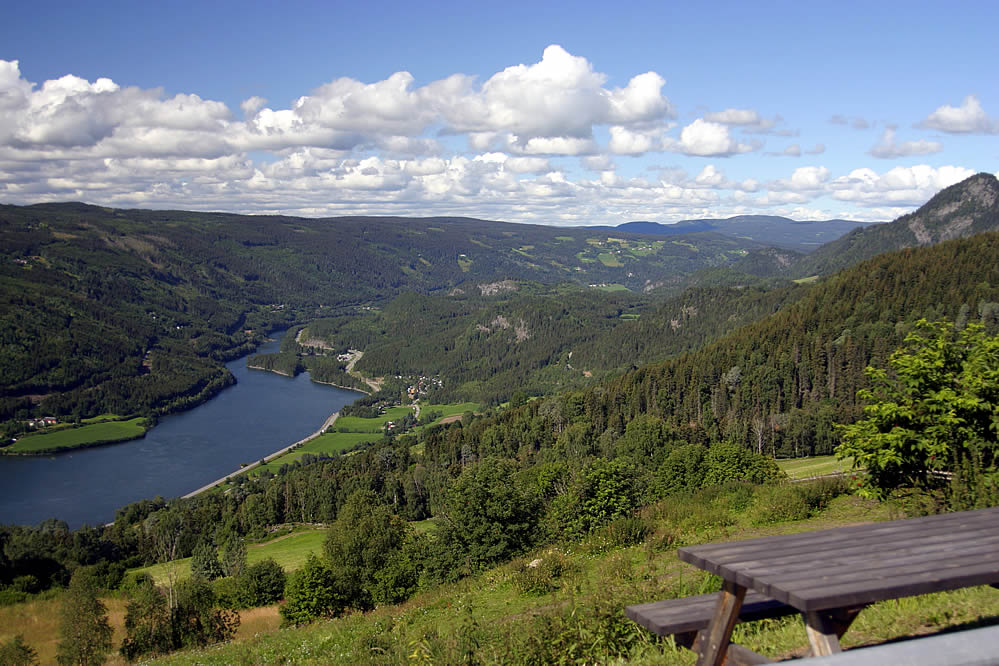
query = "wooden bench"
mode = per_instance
[{"x": 684, "y": 618}]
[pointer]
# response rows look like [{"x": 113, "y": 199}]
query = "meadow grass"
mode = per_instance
[
  {"x": 290, "y": 551},
  {"x": 453, "y": 409},
  {"x": 613, "y": 287},
  {"x": 803, "y": 468},
  {"x": 104, "y": 432}
]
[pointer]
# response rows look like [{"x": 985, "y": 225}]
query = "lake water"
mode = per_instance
[{"x": 262, "y": 413}]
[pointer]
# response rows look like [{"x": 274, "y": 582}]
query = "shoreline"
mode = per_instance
[{"x": 266, "y": 459}]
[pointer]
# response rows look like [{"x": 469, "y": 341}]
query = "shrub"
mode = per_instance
[
  {"x": 312, "y": 592},
  {"x": 16, "y": 652},
  {"x": 626, "y": 531},
  {"x": 776, "y": 504},
  {"x": 541, "y": 576},
  {"x": 9, "y": 597},
  {"x": 264, "y": 582}
]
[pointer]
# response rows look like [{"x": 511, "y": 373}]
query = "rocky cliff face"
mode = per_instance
[{"x": 967, "y": 208}]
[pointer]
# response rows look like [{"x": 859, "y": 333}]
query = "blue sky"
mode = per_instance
[{"x": 551, "y": 113}]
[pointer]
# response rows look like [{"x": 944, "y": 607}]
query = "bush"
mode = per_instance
[
  {"x": 777, "y": 504},
  {"x": 626, "y": 531},
  {"x": 9, "y": 597},
  {"x": 312, "y": 592},
  {"x": 264, "y": 582},
  {"x": 16, "y": 652},
  {"x": 541, "y": 576}
]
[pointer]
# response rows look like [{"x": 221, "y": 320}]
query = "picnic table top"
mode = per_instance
[{"x": 852, "y": 566}]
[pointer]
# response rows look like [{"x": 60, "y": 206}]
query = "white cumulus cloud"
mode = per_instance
[
  {"x": 969, "y": 118},
  {"x": 901, "y": 186},
  {"x": 707, "y": 139}
]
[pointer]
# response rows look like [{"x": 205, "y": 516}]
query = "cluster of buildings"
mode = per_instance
[{"x": 423, "y": 385}]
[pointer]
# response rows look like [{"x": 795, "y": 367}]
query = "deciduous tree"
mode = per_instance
[{"x": 936, "y": 409}]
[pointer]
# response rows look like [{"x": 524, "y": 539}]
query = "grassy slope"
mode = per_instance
[
  {"x": 488, "y": 618},
  {"x": 803, "y": 468},
  {"x": 290, "y": 551}
]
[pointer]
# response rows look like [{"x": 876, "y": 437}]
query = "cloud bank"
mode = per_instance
[{"x": 540, "y": 142}]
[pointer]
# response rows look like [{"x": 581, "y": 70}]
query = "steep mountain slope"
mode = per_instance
[{"x": 964, "y": 209}]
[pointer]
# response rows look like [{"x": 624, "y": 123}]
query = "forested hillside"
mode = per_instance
[{"x": 132, "y": 312}]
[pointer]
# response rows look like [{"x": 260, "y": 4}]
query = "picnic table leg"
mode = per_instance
[
  {"x": 825, "y": 628},
  {"x": 714, "y": 644}
]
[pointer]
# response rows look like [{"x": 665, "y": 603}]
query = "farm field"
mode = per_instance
[{"x": 105, "y": 432}]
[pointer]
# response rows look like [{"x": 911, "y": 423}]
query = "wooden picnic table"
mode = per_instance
[{"x": 831, "y": 575}]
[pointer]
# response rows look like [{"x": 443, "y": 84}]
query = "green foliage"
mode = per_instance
[
  {"x": 205, "y": 561},
  {"x": 313, "y": 592},
  {"x": 84, "y": 632},
  {"x": 487, "y": 517},
  {"x": 232, "y": 558},
  {"x": 778, "y": 504},
  {"x": 726, "y": 462},
  {"x": 16, "y": 652},
  {"x": 603, "y": 490},
  {"x": 365, "y": 536},
  {"x": 147, "y": 622},
  {"x": 196, "y": 620},
  {"x": 263, "y": 582},
  {"x": 936, "y": 410},
  {"x": 281, "y": 363}
]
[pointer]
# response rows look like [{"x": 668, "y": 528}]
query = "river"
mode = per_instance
[{"x": 262, "y": 413}]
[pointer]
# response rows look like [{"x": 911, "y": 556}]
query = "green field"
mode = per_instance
[
  {"x": 290, "y": 551},
  {"x": 449, "y": 410},
  {"x": 105, "y": 432},
  {"x": 613, "y": 287},
  {"x": 609, "y": 260},
  {"x": 357, "y": 424},
  {"x": 333, "y": 441},
  {"x": 803, "y": 468}
]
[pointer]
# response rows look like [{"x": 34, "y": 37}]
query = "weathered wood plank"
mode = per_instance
[
  {"x": 788, "y": 559},
  {"x": 715, "y": 639},
  {"x": 821, "y": 634},
  {"x": 691, "y": 614},
  {"x": 768, "y": 577},
  {"x": 866, "y": 591},
  {"x": 960, "y": 526}
]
